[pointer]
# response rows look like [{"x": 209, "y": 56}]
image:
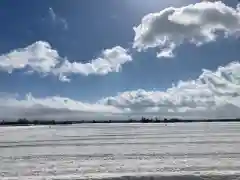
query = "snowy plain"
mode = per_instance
[{"x": 98, "y": 151}]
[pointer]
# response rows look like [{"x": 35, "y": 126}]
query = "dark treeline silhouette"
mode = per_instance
[{"x": 26, "y": 122}]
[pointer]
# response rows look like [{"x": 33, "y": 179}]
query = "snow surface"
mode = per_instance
[{"x": 116, "y": 150}]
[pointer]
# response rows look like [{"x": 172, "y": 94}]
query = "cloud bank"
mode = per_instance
[
  {"x": 196, "y": 23},
  {"x": 212, "y": 95},
  {"x": 55, "y": 107},
  {"x": 42, "y": 58}
]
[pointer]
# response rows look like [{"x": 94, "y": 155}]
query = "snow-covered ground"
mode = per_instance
[{"x": 113, "y": 150}]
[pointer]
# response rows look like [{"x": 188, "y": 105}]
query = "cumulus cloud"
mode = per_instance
[
  {"x": 39, "y": 57},
  {"x": 110, "y": 60},
  {"x": 42, "y": 58},
  {"x": 196, "y": 23},
  {"x": 214, "y": 94}
]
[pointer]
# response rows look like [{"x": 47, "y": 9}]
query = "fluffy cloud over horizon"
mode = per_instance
[
  {"x": 196, "y": 23},
  {"x": 211, "y": 95},
  {"x": 42, "y": 58}
]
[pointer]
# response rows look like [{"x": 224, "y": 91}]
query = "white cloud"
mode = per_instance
[
  {"x": 111, "y": 60},
  {"x": 40, "y": 57},
  {"x": 167, "y": 52},
  {"x": 196, "y": 23},
  {"x": 211, "y": 95}
]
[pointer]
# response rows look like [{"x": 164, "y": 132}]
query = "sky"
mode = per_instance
[{"x": 114, "y": 59}]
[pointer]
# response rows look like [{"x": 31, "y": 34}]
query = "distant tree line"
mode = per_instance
[{"x": 26, "y": 122}]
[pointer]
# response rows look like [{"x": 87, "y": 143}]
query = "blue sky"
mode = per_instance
[{"x": 82, "y": 31}]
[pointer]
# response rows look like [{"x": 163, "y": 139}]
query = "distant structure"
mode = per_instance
[{"x": 26, "y": 122}]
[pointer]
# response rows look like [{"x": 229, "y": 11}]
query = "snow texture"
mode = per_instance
[{"x": 121, "y": 151}]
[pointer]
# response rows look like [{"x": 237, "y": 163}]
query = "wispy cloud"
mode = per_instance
[{"x": 57, "y": 19}]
